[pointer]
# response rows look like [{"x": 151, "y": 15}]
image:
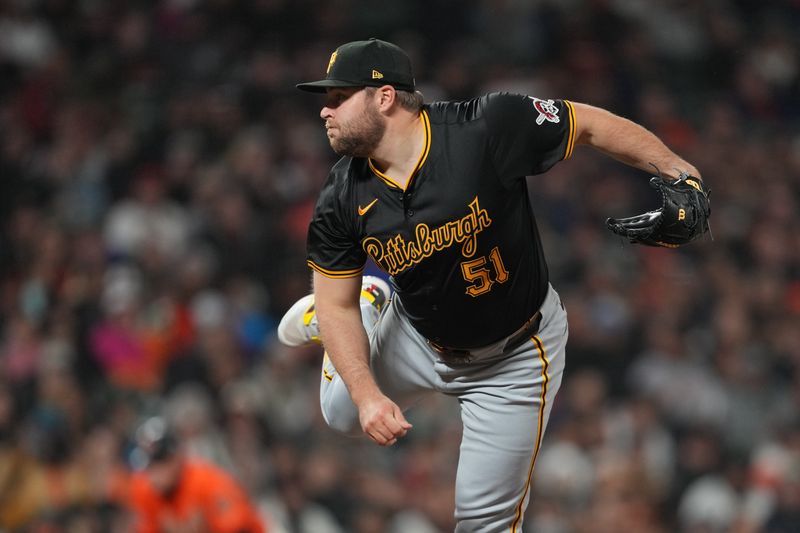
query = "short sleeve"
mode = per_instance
[
  {"x": 528, "y": 135},
  {"x": 333, "y": 250}
]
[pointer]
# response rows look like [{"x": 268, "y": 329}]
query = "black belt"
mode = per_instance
[{"x": 464, "y": 355}]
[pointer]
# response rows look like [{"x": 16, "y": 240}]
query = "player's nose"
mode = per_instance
[{"x": 326, "y": 113}]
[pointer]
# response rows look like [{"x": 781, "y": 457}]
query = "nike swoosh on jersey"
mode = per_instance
[{"x": 363, "y": 210}]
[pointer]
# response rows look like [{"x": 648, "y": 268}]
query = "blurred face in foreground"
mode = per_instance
[
  {"x": 353, "y": 123},
  {"x": 165, "y": 474}
]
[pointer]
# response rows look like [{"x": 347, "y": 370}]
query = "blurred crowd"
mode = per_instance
[{"x": 157, "y": 173}]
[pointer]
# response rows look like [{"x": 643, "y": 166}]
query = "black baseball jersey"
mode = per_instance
[{"x": 460, "y": 242}]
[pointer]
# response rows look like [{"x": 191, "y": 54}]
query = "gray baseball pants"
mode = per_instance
[{"x": 505, "y": 399}]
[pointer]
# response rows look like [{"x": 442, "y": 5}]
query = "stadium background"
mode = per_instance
[{"x": 158, "y": 169}]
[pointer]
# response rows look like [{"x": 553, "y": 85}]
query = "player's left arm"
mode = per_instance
[{"x": 627, "y": 142}]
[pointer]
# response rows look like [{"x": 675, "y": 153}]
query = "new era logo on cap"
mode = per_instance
[{"x": 366, "y": 63}]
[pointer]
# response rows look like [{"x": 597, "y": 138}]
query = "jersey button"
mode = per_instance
[{"x": 410, "y": 212}]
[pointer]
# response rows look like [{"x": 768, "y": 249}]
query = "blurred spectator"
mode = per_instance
[
  {"x": 148, "y": 226},
  {"x": 140, "y": 332},
  {"x": 178, "y": 493}
]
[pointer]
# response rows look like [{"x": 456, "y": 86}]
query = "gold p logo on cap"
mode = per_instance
[{"x": 331, "y": 62}]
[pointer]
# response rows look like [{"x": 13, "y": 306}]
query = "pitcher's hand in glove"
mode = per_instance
[{"x": 682, "y": 217}]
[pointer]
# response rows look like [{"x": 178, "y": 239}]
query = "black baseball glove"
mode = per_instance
[{"x": 682, "y": 218}]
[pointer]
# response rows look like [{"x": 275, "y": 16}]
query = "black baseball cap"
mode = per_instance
[{"x": 371, "y": 63}]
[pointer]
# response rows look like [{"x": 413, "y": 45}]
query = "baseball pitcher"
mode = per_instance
[{"x": 436, "y": 195}]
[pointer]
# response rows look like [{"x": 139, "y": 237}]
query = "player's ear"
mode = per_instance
[{"x": 385, "y": 97}]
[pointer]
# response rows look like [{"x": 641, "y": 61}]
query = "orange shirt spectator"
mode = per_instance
[
  {"x": 182, "y": 495},
  {"x": 179, "y": 494}
]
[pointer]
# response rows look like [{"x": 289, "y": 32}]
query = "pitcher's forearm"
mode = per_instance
[{"x": 347, "y": 346}]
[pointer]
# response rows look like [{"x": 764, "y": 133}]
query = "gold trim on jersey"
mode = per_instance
[
  {"x": 426, "y": 121},
  {"x": 539, "y": 431},
  {"x": 571, "y": 137},
  {"x": 353, "y": 272}
]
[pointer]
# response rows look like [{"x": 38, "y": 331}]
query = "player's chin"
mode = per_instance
[
  {"x": 336, "y": 143},
  {"x": 345, "y": 149},
  {"x": 339, "y": 150}
]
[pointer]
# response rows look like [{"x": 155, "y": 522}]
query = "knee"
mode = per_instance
[{"x": 344, "y": 422}]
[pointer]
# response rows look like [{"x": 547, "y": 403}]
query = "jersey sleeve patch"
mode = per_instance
[{"x": 547, "y": 110}]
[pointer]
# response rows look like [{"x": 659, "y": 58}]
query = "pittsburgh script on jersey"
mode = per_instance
[{"x": 398, "y": 254}]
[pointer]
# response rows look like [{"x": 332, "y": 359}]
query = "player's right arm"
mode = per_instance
[{"x": 336, "y": 302}]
